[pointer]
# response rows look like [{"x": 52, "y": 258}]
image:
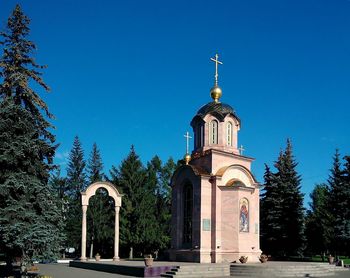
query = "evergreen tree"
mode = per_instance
[
  {"x": 160, "y": 176},
  {"x": 76, "y": 176},
  {"x": 76, "y": 182},
  {"x": 164, "y": 201},
  {"x": 58, "y": 184},
  {"x": 346, "y": 232},
  {"x": 137, "y": 215},
  {"x": 271, "y": 214},
  {"x": 18, "y": 68},
  {"x": 95, "y": 165},
  {"x": 339, "y": 204},
  {"x": 30, "y": 221},
  {"x": 292, "y": 203},
  {"x": 282, "y": 208},
  {"x": 319, "y": 222}
]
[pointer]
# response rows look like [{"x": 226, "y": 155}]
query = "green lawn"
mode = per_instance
[{"x": 319, "y": 259}]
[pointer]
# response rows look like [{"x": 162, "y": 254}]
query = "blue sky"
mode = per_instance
[{"x": 136, "y": 72}]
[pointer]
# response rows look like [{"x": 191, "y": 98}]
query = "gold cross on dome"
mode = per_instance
[
  {"x": 188, "y": 137},
  {"x": 216, "y": 61}
]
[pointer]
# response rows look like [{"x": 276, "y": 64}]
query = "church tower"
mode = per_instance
[{"x": 215, "y": 197}]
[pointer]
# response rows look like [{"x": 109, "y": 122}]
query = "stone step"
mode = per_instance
[
  {"x": 200, "y": 270},
  {"x": 281, "y": 270},
  {"x": 204, "y": 266},
  {"x": 214, "y": 275},
  {"x": 271, "y": 274},
  {"x": 193, "y": 272},
  {"x": 283, "y": 273},
  {"x": 296, "y": 274}
]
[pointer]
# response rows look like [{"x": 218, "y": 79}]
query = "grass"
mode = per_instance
[{"x": 319, "y": 259}]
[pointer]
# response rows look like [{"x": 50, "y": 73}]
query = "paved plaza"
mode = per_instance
[{"x": 64, "y": 271}]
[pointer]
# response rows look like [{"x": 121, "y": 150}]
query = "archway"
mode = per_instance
[{"x": 85, "y": 197}]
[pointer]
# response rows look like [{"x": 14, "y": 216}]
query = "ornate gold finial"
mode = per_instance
[
  {"x": 187, "y": 158},
  {"x": 187, "y": 155},
  {"x": 216, "y": 91}
]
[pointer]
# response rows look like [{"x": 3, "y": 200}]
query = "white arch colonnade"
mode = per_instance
[{"x": 85, "y": 197}]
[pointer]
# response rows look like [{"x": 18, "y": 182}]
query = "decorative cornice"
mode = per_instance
[
  {"x": 197, "y": 155},
  {"x": 244, "y": 188}
]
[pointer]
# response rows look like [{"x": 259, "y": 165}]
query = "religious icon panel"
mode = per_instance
[{"x": 243, "y": 215}]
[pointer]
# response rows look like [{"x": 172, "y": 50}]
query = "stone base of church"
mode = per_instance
[
  {"x": 231, "y": 256},
  {"x": 204, "y": 256},
  {"x": 184, "y": 255}
]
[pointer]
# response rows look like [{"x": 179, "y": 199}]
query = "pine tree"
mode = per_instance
[
  {"x": 58, "y": 184},
  {"x": 76, "y": 176},
  {"x": 282, "y": 212},
  {"x": 271, "y": 214},
  {"x": 18, "y": 68},
  {"x": 30, "y": 221},
  {"x": 76, "y": 182},
  {"x": 339, "y": 204},
  {"x": 292, "y": 203},
  {"x": 319, "y": 222},
  {"x": 162, "y": 174},
  {"x": 346, "y": 232},
  {"x": 137, "y": 212},
  {"x": 95, "y": 165}
]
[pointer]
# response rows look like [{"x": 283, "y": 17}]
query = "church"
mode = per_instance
[{"x": 215, "y": 197}]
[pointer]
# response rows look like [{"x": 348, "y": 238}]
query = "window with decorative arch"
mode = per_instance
[
  {"x": 229, "y": 134},
  {"x": 244, "y": 215},
  {"x": 199, "y": 136},
  {"x": 213, "y": 132},
  {"x": 187, "y": 215}
]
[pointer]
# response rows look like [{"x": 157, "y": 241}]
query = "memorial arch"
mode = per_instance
[{"x": 85, "y": 197}]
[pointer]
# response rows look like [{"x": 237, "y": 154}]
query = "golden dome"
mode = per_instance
[{"x": 216, "y": 93}]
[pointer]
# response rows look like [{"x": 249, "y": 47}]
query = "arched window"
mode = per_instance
[
  {"x": 244, "y": 215},
  {"x": 229, "y": 134},
  {"x": 188, "y": 210},
  {"x": 213, "y": 132},
  {"x": 198, "y": 136},
  {"x": 202, "y": 136}
]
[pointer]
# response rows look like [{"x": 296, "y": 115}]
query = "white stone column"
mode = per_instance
[
  {"x": 116, "y": 235},
  {"x": 83, "y": 235}
]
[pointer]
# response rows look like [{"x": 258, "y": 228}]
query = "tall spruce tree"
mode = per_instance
[
  {"x": 76, "y": 182},
  {"x": 319, "y": 222},
  {"x": 346, "y": 232},
  {"x": 339, "y": 204},
  {"x": 30, "y": 221},
  {"x": 159, "y": 176},
  {"x": 76, "y": 175},
  {"x": 282, "y": 208},
  {"x": 95, "y": 165},
  {"x": 58, "y": 184},
  {"x": 292, "y": 203},
  {"x": 137, "y": 215},
  {"x": 271, "y": 214}
]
